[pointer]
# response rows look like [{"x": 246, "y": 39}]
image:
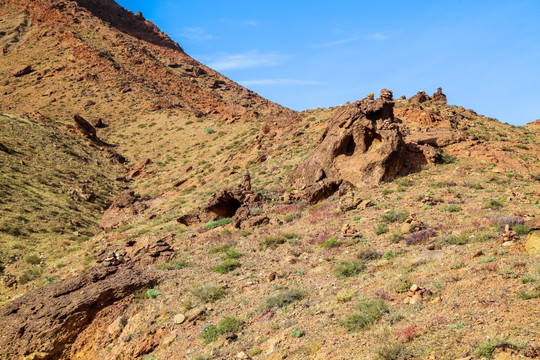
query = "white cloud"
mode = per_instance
[
  {"x": 379, "y": 36},
  {"x": 246, "y": 60},
  {"x": 334, "y": 43},
  {"x": 195, "y": 33},
  {"x": 280, "y": 82}
]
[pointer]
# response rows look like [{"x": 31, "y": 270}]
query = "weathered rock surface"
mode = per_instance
[
  {"x": 4, "y": 148},
  {"x": 438, "y": 97},
  {"x": 124, "y": 208},
  {"x": 235, "y": 203},
  {"x": 533, "y": 243},
  {"x": 362, "y": 145},
  {"x": 87, "y": 130},
  {"x": 43, "y": 323},
  {"x": 436, "y": 137},
  {"x": 419, "y": 98},
  {"x": 140, "y": 170},
  {"x": 23, "y": 70}
]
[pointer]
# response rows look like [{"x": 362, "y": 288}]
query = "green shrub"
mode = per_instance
[
  {"x": 396, "y": 237},
  {"x": 220, "y": 249},
  {"x": 447, "y": 158},
  {"x": 368, "y": 312},
  {"x": 330, "y": 243},
  {"x": 209, "y": 130},
  {"x": 451, "y": 208},
  {"x": 296, "y": 332},
  {"x": 217, "y": 223},
  {"x": 153, "y": 293},
  {"x": 388, "y": 255},
  {"x": 227, "y": 266},
  {"x": 283, "y": 298},
  {"x": 226, "y": 325},
  {"x": 394, "y": 216},
  {"x": 175, "y": 264},
  {"x": 33, "y": 259},
  {"x": 392, "y": 351},
  {"x": 272, "y": 242},
  {"x": 208, "y": 293},
  {"x": 348, "y": 268},
  {"x": 381, "y": 229},
  {"x": 29, "y": 275},
  {"x": 454, "y": 240},
  {"x": 521, "y": 229}
]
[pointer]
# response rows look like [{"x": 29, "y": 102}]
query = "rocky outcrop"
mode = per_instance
[
  {"x": 42, "y": 324},
  {"x": 436, "y": 137},
  {"x": 419, "y": 98},
  {"x": 124, "y": 208},
  {"x": 140, "y": 170},
  {"x": 236, "y": 203},
  {"x": 23, "y": 70},
  {"x": 87, "y": 130},
  {"x": 362, "y": 145},
  {"x": 438, "y": 97},
  {"x": 4, "y": 148}
]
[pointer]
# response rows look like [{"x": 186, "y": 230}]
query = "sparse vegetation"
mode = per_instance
[{"x": 283, "y": 298}]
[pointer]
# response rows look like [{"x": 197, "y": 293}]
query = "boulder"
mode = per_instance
[
  {"x": 438, "y": 97},
  {"x": 361, "y": 145},
  {"x": 23, "y": 70},
  {"x": 85, "y": 127},
  {"x": 45, "y": 322},
  {"x": 533, "y": 243}
]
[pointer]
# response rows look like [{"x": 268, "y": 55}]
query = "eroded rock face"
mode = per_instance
[
  {"x": 439, "y": 97},
  {"x": 43, "y": 323},
  {"x": 123, "y": 209},
  {"x": 235, "y": 203},
  {"x": 419, "y": 98},
  {"x": 362, "y": 145}
]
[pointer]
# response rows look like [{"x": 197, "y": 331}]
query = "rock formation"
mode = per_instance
[
  {"x": 123, "y": 209},
  {"x": 438, "y": 97},
  {"x": 362, "y": 145},
  {"x": 235, "y": 203}
]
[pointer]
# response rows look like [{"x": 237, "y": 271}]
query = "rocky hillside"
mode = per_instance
[{"x": 153, "y": 209}]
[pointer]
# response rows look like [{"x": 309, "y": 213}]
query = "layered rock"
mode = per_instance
[
  {"x": 361, "y": 145},
  {"x": 124, "y": 208},
  {"x": 43, "y": 323},
  {"x": 438, "y": 97}
]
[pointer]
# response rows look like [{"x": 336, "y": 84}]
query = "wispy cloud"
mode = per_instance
[
  {"x": 334, "y": 43},
  {"x": 246, "y": 60},
  {"x": 379, "y": 36},
  {"x": 195, "y": 33},
  {"x": 279, "y": 82}
]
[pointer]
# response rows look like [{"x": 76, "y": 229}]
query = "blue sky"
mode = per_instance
[{"x": 307, "y": 54}]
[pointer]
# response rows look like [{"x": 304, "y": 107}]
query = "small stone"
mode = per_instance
[
  {"x": 407, "y": 300},
  {"x": 179, "y": 318},
  {"x": 508, "y": 243},
  {"x": 272, "y": 276},
  {"x": 194, "y": 314},
  {"x": 406, "y": 228},
  {"x": 126, "y": 338},
  {"x": 230, "y": 336},
  {"x": 416, "y": 299},
  {"x": 242, "y": 356},
  {"x": 414, "y": 288},
  {"x": 169, "y": 339}
]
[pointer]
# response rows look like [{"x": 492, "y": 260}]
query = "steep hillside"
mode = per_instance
[{"x": 189, "y": 218}]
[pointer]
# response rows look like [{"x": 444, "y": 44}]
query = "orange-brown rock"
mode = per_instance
[
  {"x": 124, "y": 209},
  {"x": 43, "y": 324},
  {"x": 419, "y": 98},
  {"x": 438, "y": 97},
  {"x": 436, "y": 137},
  {"x": 362, "y": 145}
]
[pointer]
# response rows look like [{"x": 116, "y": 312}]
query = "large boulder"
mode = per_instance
[
  {"x": 125, "y": 207},
  {"x": 43, "y": 323},
  {"x": 361, "y": 145},
  {"x": 533, "y": 243}
]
